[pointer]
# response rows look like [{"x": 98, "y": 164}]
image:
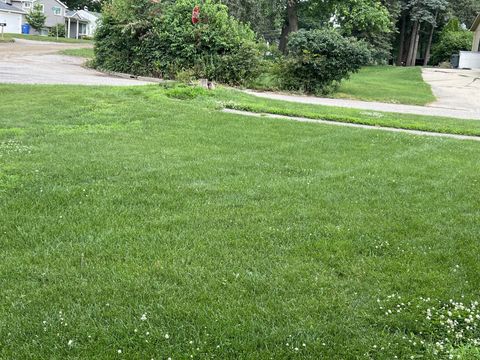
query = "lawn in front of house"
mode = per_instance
[
  {"x": 390, "y": 84},
  {"x": 46, "y": 38},
  {"x": 138, "y": 225}
]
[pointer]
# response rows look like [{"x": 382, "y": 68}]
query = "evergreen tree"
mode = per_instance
[{"x": 36, "y": 18}]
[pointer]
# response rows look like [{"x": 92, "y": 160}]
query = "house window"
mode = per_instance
[
  {"x": 57, "y": 10},
  {"x": 82, "y": 29},
  {"x": 27, "y": 5}
]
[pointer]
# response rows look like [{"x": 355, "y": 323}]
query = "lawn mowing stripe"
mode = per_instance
[{"x": 361, "y": 126}]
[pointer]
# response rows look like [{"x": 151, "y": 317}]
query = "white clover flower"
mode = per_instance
[
  {"x": 167, "y": 336},
  {"x": 144, "y": 317},
  {"x": 70, "y": 343},
  {"x": 119, "y": 351}
]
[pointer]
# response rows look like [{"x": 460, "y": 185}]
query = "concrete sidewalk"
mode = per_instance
[
  {"x": 357, "y": 126},
  {"x": 371, "y": 106}
]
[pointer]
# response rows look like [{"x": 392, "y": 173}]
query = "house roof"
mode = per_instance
[
  {"x": 61, "y": 3},
  {"x": 10, "y": 8},
  {"x": 58, "y": 1},
  {"x": 94, "y": 13},
  {"x": 476, "y": 23},
  {"x": 74, "y": 15}
]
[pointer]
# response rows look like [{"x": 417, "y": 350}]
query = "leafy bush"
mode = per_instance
[
  {"x": 452, "y": 40},
  {"x": 159, "y": 39},
  {"x": 318, "y": 60},
  {"x": 57, "y": 30}
]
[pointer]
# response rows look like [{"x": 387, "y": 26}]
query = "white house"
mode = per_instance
[
  {"x": 471, "y": 59},
  {"x": 78, "y": 23},
  {"x": 476, "y": 38},
  {"x": 92, "y": 18},
  {"x": 12, "y": 16}
]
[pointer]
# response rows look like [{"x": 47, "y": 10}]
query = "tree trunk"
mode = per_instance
[
  {"x": 412, "y": 56},
  {"x": 429, "y": 45},
  {"x": 401, "y": 49},
  {"x": 290, "y": 26},
  {"x": 283, "y": 39},
  {"x": 415, "y": 50}
]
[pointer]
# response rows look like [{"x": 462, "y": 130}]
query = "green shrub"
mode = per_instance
[
  {"x": 318, "y": 60},
  {"x": 145, "y": 38},
  {"x": 451, "y": 42},
  {"x": 57, "y": 30},
  {"x": 36, "y": 18}
]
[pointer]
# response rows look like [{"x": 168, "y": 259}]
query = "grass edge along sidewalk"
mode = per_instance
[
  {"x": 232, "y": 99},
  {"x": 358, "y": 126}
]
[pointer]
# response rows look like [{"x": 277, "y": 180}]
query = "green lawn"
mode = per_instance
[
  {"x": 240, "y": 101},
  {"x": 135, "y": 225},
  {"x": 391, "y": 84},
  {"x": 86, "y": 53},
  {"x": 46, "y": 38}
]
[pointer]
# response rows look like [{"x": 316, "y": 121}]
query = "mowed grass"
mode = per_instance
[
  {"x": 390, "y": 84},
  {"x": 46, "y": 38},
  {"x": 241, "y": 101},
  {"x": 135, "y": 225},
  {"x": 86, "y": 53}
]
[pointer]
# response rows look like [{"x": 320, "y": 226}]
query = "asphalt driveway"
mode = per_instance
[{"x": 37, "y": 62}]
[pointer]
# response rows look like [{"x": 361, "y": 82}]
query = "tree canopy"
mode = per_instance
[
  {"x": 403, "y": 30},
  {"x": 94, "y": 5}
]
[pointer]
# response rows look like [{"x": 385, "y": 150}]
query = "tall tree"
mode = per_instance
[
  {"x": 465, "y": 10},
  {"x": 290, "y": 25}
]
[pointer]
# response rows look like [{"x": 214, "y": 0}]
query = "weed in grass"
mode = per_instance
[{"x": 441, "y": 329}]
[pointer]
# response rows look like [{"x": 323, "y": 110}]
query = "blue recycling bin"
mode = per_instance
[{"x": 26, "y": 29}]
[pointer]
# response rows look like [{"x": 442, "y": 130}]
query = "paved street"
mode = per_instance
[{"x": 35, "y": 62}]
